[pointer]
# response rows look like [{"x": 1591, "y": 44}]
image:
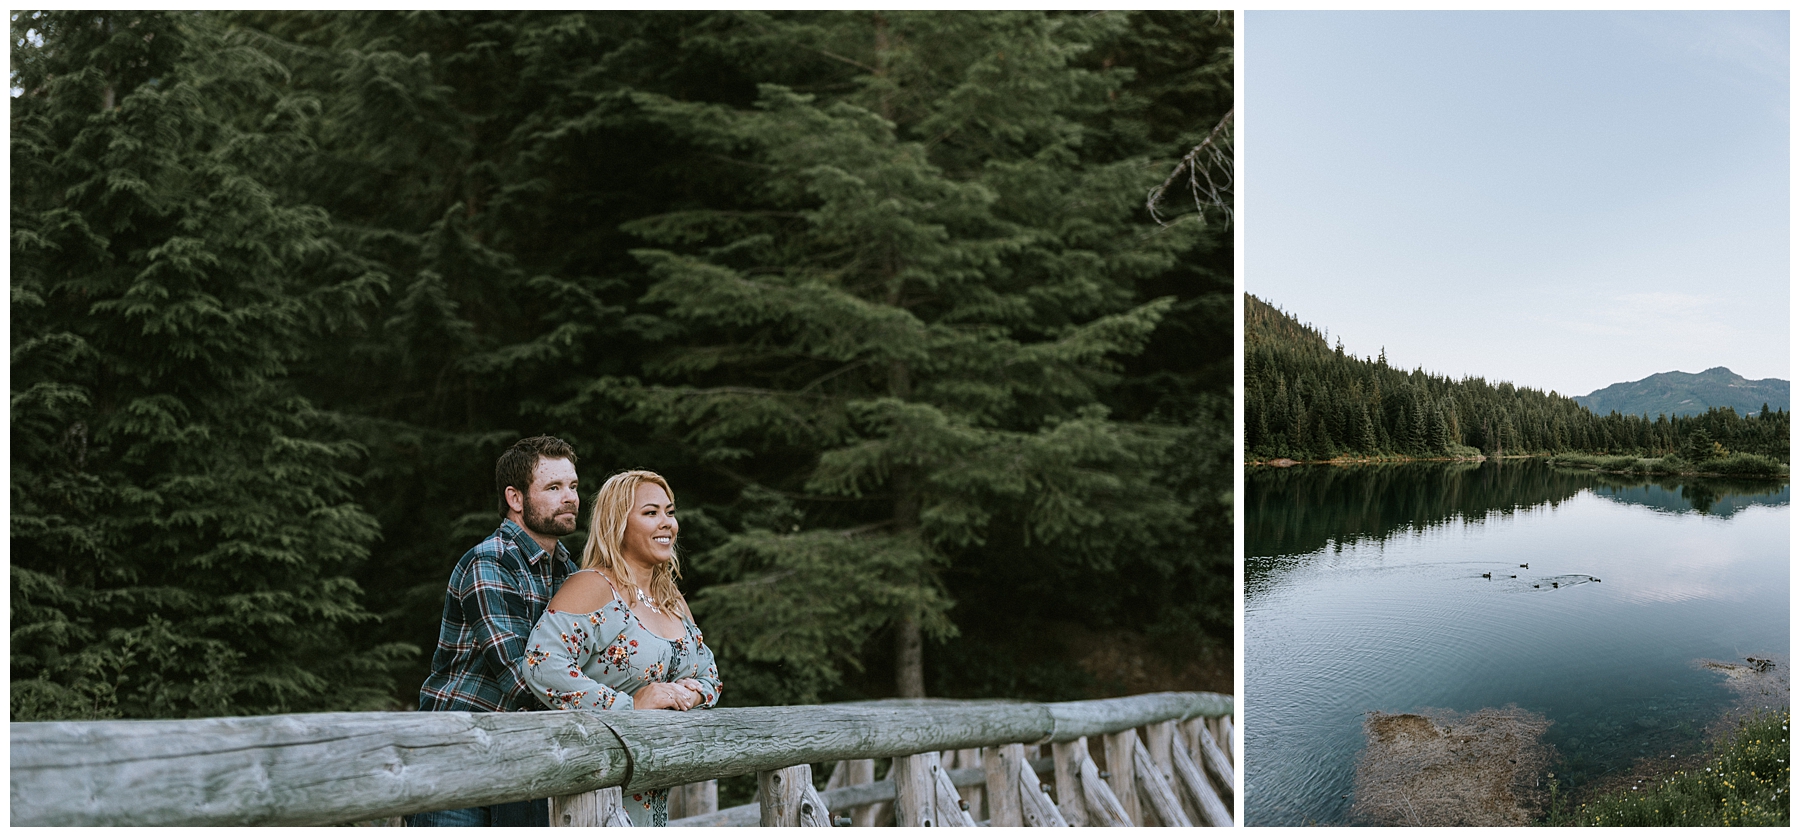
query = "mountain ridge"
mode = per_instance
[{"x": 1680, "y": 393}]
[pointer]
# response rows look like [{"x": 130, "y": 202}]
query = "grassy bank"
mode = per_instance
[
  {"x": 1456, "y": 453},
  {"x": 1745, "y": 782},
  {"x": 1731, "y": 465}
]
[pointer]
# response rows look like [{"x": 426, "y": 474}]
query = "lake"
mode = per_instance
[{"x": 1364, "y": 590}]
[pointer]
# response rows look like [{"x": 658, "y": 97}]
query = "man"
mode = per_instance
[{"x": 496, "y": 594}]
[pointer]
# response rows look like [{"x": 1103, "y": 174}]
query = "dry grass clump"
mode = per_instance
[{"x": 1442, "y": 768}]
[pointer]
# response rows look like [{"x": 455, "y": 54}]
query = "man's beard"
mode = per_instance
[{"x": 545, "y": 524}]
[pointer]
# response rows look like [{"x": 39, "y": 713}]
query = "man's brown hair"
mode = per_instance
[{"x": 519, "y": 463}]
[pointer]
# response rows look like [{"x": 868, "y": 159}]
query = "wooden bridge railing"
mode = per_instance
[{"x": 320, "y": 769}]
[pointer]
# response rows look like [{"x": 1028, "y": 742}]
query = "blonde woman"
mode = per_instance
[{"x": 618, "y": 634}]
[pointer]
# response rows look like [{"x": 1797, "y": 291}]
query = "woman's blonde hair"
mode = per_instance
[{"x": 613, "y": 506}]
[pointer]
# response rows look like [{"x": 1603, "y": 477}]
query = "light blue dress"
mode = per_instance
[{"x": 598, "y": 660}]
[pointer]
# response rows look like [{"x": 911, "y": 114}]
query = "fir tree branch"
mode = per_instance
[
  {"x": 794, "y": 495},
  {"x": 832, "y": 374}
]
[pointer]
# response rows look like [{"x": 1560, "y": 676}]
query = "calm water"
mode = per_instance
[{"x": 1363, "y": 591}]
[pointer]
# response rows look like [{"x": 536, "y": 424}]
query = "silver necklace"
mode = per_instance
[{"x": 645, "y": 601}]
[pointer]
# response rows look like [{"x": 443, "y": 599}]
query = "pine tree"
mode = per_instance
[
  {"x": 181, "y": 529},
  {"x": 909, "y": 336},
  {"x": 1698, "y": 446}
]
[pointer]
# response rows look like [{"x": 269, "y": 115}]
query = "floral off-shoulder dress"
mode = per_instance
[{"x": 598, "y": 660}]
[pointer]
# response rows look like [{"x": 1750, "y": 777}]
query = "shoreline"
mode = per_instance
[
  {"x": 1629, "y": 472},
  {"x": 1284, "y": 462},
  {"x": 1757, "y": 691}
]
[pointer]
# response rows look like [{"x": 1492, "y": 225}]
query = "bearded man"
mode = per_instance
[{"x": 496, "y": 594}]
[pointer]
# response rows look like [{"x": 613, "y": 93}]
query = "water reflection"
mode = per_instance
[
  {"x": 1706, "y": 495},
  {"x": 1305, "y": 508},
  {"x": 1583, "y": 597}
]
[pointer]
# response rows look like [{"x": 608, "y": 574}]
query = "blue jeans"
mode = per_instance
[{"x": 531, "y": 812}]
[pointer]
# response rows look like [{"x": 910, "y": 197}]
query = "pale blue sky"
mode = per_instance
[{"x": 1563, "y": 200}]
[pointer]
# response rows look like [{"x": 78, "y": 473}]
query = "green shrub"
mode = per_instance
[
  {"x": 1745, "y": 783},
  {"x": 1746, "y": 464},
  {"x": 1604, "y": 463}
]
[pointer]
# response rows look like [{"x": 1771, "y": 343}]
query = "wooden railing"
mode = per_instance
[{"x": 321, "y": 769}]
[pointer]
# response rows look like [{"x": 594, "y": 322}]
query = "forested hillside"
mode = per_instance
[
  {"x": 878, "y": 292},
  {"x": 1306, "y": 400}
]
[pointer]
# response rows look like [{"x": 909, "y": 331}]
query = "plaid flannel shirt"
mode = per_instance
[{"x": 496, "y": 594}]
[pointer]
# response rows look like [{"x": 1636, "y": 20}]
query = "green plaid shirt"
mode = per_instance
[{"x": 496, "y": 594}]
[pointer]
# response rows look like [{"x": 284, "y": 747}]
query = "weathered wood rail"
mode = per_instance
[{"x": 320, "y": 769}]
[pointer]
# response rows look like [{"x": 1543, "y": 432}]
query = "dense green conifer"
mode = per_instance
[
  {"x": 182, "y": 530},
  {"x": 910, "y": 338}
]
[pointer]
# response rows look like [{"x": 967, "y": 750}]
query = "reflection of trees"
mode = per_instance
[
  {"x": 1700, "y": 497},
  {"x": 1720, "y": 496},
  {"x": 1297, "y": 510}
]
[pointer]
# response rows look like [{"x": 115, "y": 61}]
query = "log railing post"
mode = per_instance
[
  {"x": 880, "y": 813},
  {"x": 699, "y": 798},
  {"x": 924, "y": 796},
  {"x": 1068, "y": 780},
  {"x": 1157, "y": 790},
  {"x": 1160, "y": 739},
  {"x": 1212, "y": 809},
  {"x": 789, "y": 799},
  {"x": 915, "y": 791},
  {"x": 1102, "y": 804},
  {"x": 1217, "y": 764},
  {"x": 850, "y": 773},
  {"x": 951, "y": 809},
  {"x": 1035, "y": 807},
  {"x": 1002, "y": 767},
  {"x": 603, "y": 807},
  {"x": 1189, "y": 732},
  {"x": 690, "y": 800},
  {"x": 975, "y": 795},
  {"x": 1119, "y": 746}
]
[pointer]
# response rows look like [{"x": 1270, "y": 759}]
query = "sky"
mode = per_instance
[{"x": 1563, "y": 200}]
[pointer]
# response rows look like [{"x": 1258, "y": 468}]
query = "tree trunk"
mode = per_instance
[{"x": 909, "y": 659}]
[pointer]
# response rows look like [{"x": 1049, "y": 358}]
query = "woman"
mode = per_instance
[{"x": 619, "y": 635}]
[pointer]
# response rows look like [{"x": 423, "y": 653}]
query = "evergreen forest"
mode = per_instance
[
  {"x": 879, "y": 293},
  {"x": 1307, "y": 400}
]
